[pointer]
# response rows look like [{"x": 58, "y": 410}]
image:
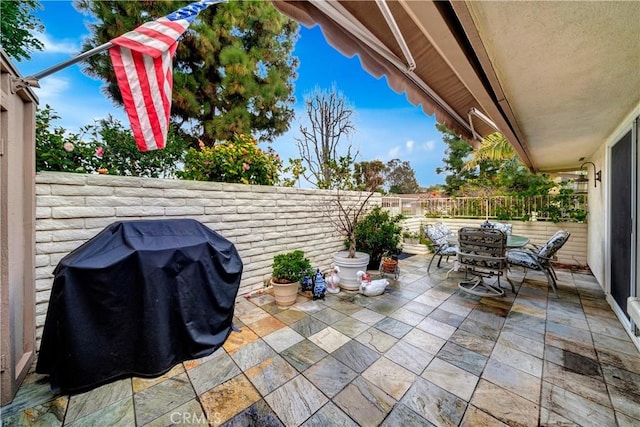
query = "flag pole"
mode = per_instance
[
  {"x": 68, "y": 62},
  {"x": 33, "y": 79}
]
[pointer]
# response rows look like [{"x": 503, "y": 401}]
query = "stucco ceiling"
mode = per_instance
[{"x": 569, "y": 71}]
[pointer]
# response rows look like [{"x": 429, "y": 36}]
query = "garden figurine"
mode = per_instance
[
  {"x": 371, "y": 288},
  {"x": 306, "y": 283},
  {"x": 320, "y": 287},
  {"x": 333, "y": 281}
]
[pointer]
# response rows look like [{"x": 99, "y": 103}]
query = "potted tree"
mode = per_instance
[
  {"x": 344, "y": 211},
  {"x": 287, "y": 271}
]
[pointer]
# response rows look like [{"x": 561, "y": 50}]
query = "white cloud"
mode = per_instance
[
  {"x": 410, "y": 144},
  {"x": 393, "y": 153},
  {"x": 429, "y": 145},
  {"x": 67, "y": 46},
  {"x": 51, "y": 88}
]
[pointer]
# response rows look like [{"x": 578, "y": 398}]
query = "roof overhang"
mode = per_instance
[{"x": 556, "y": 78}]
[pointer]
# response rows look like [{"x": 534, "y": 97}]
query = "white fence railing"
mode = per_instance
[{"x": 556, "y": 208}]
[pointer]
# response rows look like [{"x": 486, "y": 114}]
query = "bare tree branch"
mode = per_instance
[
  {"x": 344, "y": 209},
  {"x": 329, "y": 120}
]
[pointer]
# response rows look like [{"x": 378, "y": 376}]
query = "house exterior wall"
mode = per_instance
[
  {"x": 17, "y": 207},
  {"x": 261, "y": 221},
  {"x": 597, "y": 249}
]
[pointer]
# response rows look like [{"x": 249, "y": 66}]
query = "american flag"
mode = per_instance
[{"x": 142, "y": 60}]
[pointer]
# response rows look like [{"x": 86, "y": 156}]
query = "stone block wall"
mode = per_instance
[{"x": 261, "y": 221}]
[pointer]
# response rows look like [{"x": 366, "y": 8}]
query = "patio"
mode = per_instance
[{"x": 421, "y": 354}]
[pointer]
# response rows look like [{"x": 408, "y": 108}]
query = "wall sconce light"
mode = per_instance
[
  {"x": 597, "y": 175},
  {"x": 582, "y": 184}
]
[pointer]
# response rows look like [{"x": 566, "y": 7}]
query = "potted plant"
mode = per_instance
[
  {"x": 379, "y": 233},
  {"x": 344, "y": 211},
  {"x": 389, "y": 263},
  {"x": 287, "y": 271},
  {"x": 410, "y": 237}
]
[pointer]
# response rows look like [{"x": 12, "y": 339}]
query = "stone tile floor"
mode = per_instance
[{"x": 422, "y": 354}]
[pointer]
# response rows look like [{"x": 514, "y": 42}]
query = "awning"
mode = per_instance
[{"x": 413, "y": 44}]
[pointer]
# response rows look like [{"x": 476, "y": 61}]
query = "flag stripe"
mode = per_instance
[
  {"x": 144, "y": 103},
  {"x": 127, "y": 97},
  {"x": 166, "y": 86},
  {"x": 152, "y": 38},
  {"x": 160, "y": 94}
]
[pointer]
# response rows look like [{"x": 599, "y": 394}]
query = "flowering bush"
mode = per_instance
[
  {"x": 110, "y": 149},
  {"x": 58, "y": 150},
  {"x": 115, "y": 150},
  {"x": 239, "y": 160}
]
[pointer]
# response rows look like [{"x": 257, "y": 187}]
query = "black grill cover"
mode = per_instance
[{"x": 136, "y": 299}]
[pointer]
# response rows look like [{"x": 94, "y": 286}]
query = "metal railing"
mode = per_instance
[{"x": 556, "y": 208}]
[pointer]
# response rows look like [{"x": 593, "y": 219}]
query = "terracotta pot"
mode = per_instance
[
  {"x": 285, "y": 293},
  {"x": 389, "y": 266}
]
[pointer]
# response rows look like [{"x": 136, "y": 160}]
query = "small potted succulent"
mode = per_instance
[{"x": 287, "y": 271}]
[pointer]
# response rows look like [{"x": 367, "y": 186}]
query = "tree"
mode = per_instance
[
  {"x": 329, "y": 120},
  {"x": 492, "y": 169},
  {"x": 232, "y": 73},
  {"x": 400, "y": 177},
  {"x": 492, "y": 147},
  {"x": 500, "y": 171},
  {"x": 17, "y": 28},
  {"x": 457, "y": 151},
  {"x": 369, "y": 175}
]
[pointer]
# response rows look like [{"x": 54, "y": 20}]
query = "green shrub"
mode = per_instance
[
  {"x": 105, "y": 145},
  {"x": 239, "y": 160},
  {"x": 379, "y": 233},
  {"x": 116, "y": 151},
  {"x": 291, "y": 267},
  {"x": 58, "y": 150}
]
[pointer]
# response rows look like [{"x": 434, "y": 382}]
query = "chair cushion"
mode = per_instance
[
  {"x": 490, "y": 263},
  {"x": 448, "y": 250},
  {"x": 554, "y": 244},
  {"x": 438, "y": 233},
  {"x": 505, "y": 228},
  {"x": 523, "y": 258}
]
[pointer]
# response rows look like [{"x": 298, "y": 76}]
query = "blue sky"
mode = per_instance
[{"x": 387, "y": 125}]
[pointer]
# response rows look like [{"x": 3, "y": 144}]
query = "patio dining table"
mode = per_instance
[{"x": 514, "y": 241}]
